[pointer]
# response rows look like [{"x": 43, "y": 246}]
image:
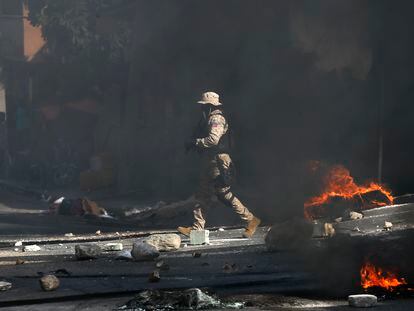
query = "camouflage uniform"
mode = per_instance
[{"x": 217, "y": 168}]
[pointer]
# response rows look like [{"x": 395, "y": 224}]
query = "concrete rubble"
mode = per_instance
[
  {"x": 31, "y": 248},
  {"x": 124, "y": 255},
  {"x": 355, "y": 216},
  {"x": 110, "y": 247},
  {"x": 190, "y": 299},
  {"x": 87, "y": 251},
  {"x": 164, "y": 242},
  {"x": 142, "y": 251},
  {"x": 49, "y": 282},
  {"x": 362, "y": 301},
  {"x": 5, "y": 285}
]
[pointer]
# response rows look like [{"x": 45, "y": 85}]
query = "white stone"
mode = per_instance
[
  {"x": 5, "y": 285},
  {"x": 362, "y": 300},
  {"x": 387, "y": 225},
  {"x": 142, "y": 251},
  {"x": 18, "y": 243},
  {"x": 109, "y": 247},
  {"x": 31, "y": 248},
  {"x": 164, "y": 242},
  {"x": 198, "y": 237},
  {"x": 355, "y": 216},
  {"x": 70, "y": 234}
]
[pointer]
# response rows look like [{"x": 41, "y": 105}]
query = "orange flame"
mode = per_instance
[
  {"x": 340, "y": 183},
  {"x": 372, "y": 276}
]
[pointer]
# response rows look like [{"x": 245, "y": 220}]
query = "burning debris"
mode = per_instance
[
  {"x": 372, "y": 276},
  {"x": 341, "y": 191}
]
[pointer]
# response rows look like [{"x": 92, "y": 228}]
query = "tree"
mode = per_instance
[
  {"x": 80, "y": 43},
  {"x": 71, "y": 28}
]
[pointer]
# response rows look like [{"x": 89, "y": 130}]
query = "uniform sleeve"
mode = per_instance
[{"x": 217, "y": 128}]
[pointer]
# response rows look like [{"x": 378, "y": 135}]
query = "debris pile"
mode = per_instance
[{"x": 192, "y": 299}]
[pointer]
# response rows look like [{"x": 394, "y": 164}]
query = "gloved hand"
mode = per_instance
[{"x": 190, "y": 145}]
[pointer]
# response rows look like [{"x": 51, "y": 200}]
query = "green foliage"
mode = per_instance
[{"x": 70, "y": 28}]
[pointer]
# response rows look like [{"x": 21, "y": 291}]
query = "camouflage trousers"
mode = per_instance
[{"x": 215, "y": 179}]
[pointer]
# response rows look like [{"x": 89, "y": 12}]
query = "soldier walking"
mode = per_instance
[{"x": 213, "y": 143}]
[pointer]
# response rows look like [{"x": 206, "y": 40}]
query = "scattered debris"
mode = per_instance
[
  {"x": 31, "y": 248},
  {"x": 154, "y": 277},
  {"x": 18, "y": 243},
  {"x": 69, "y": 234},
  {"x": 110, "y": 247},
  {"x": 197, "y": 254},
  {"x": 164, "y": 242},
  {"x": 136, "y": 211},
  {"x": 190, "y": 299},
  {"x": 87, "y": 251},
  {"x": 75, "y": 207},
  {"x": 5, "y": 286},
  {"x": 362, "y": 301},
  {"x": 329, "y": 230},
  {"x": 19, "y": 261},
  {"x": 17, "y": 249},
  {"x": 162, "y": 265},
  {"x": 142, "y": 251},
  {"x": 49, "y": 283},
  {"x": 387, "y": 226},
  {"x": 356, "y": 229},
  {"x": 221, "y": 229},
  {"x": 199, "y": 237},
  {"x": 355, "y": 216},
  {"x": 124, "y": 255},
  {"x": 98, "y": 232}
]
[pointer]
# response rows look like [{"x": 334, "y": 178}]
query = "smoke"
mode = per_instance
[{"x": 337, "y": 32}]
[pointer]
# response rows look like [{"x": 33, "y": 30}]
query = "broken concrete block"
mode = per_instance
[
  {"x": 5, "y": 286},
  {"x": 362, "y": 301},
  {"x": 31, "y": 248},
  {"x": 387, "y": 225},
  {"x": 164, "y": 242},
  {"x": 142, "y": 251},
  {"x": 87, "y": 251},
  {"x": 355, "y": 216},
  {"x": 110, "y": 247},
  {"x": 124, "y": 255},
  {"x": 49, "y": 283},
  {"x": 198, "y": 237},
  {"x": 154, "y": 277}
]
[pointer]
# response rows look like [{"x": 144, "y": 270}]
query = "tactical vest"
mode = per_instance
[{"x": 203, "y": 130}]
